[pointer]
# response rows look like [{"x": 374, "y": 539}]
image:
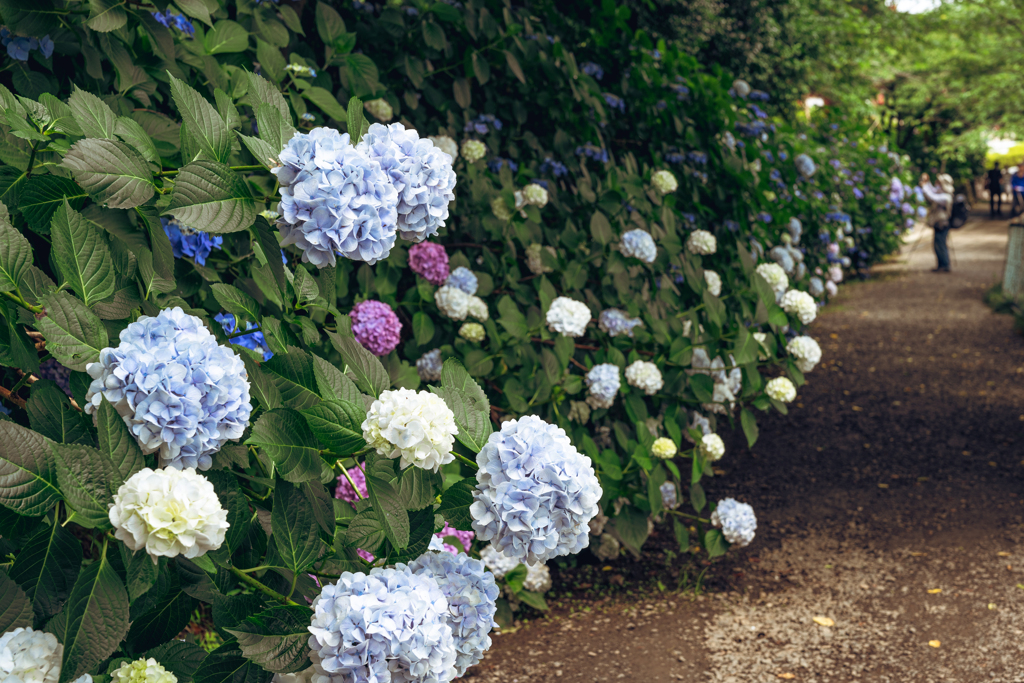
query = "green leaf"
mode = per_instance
[
  {"x": 306, "y": 289},
  {"x": 261, "y": 384},
  {"x": 117, "y": 441},
  {"x": 715, "y": 543},
  {"x": 287, "y": 440},
  {"x": 293, "y": 374},
  {"x": 82, "y": 254},
  {"x": 179, "y": 657},
  {"x": 682, "y": 534},
  {"x": 261, "y": 90},
  {"x": 512, "y": 318},
  {"x": 337, "y": 424},
  {"x": 601, "y": 229},
  {"x": 366, "y": 531},
  {"x": 416, "y": 488},
  {"x": 333, "y": 384},
  {"x": 455, "y": 504},
  {"x": 226, "y": 36},
  {"x": 140, "y": 572},
  {"x": 631, "y": 527},
  {"x": 327, "y": 102},
  {"x": 329, "y": 23},
  {"x": 165, "y": 620},
  {"x": 516, "y": 577},
  {"x": 265, "y": 237},
  {"x": 202, "y": 120},
  {"x": 362, "y": 74},
  {"x": 272, "y": 62},
  {"x": 196, "y": 9},
  {"x": 433, "y": 35},
  {"x": 294, "y": 528},
  {"x": 47, "y": 567},
  {"x": 93, "y": 115},
  {"x": 534, "y": 600},
  {"x": 468, "y": 402},
  {"x": 370, "y": 376},
  {"x": 697, "y": 497},
  {"x": 50, "y": 413},
  {"x": 15, "y": 256},
  {"x": 86, "y": 478},
  {"x": 106, "y": 15},
  {"x": 97, "y": 618},
  {"x": 111, "y": 172},
  {"x": 234, "y": 300},
  {"x": 227, "y": 665},
  {"x": 28, "y": 473},
  {"x": 422, "y": 328},
  {"x": 703, "y": 387},
  {"x": 274, "y": 129},
  {"x": 513, "y": 64},
  {"x": 131, "y": 132},
  {"x": 210, "y": 194},
  {"x": 388, "y": 503},
  {"x": 74, "y": 335},
  {"x": 15, "y": 606},
  {"x": 277, "y": 638},
  {"x": 42, "y": 196},
  {"x": 749, "y": 423}
]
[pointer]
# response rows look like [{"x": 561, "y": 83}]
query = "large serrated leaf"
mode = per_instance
[
  {"x": 237, "y": 302},
  {"x": 261, "y": 90},
  {"x": 81, "y": 252},
  {"x": 117, "y": 442},
  {"x": 366, "y": 531},
  {"x": 51, "y": 414},
  {"x": 388, "y": 503},
  {"x": 179, "y": 657},
  {"x": 455, "y": 504},
  {"x": 106, "y": 15},
  {"x": 468, "y": 402},
  {"x": 97, "y": 618},
  {"x": 233, "y": 500},
  {"x": 28, "y": 473},
  {"x": 132, "y": 132},
  {"x": 210, "y": 194},
  {"x": 93, "y": 115},
  {"x": 163, "y": 621},
  {"x": 15, "y": 257},
  {"x": 44, "y": 194},
  {"x": 370, "y": 375},
  {"x": 47, "y": 567},
  {"x": 287, "y": 440},
  {"x": 294, "y": 528},
  {"x": 226, "y": 664},
  {"x": 74, "y": 334},
  {"x": 111, "y": 172},
  {"x": 332, "y": 383},
  {"x": 416, "y": 487},
  {"x": 293, "y": 374},
  {"x": 86, "y": 478},
  {"x": 337, "y": 424},
  {"x": 277, "y": 638},
  {"x": 15, "y": 606},
  {"x": 202, "y": 120},
  {"x": 225, "y": 37},
  {"x": 261, "y": 385}
]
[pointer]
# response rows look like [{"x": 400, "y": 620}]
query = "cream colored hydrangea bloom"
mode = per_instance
[{"x": 415, "y": 426}]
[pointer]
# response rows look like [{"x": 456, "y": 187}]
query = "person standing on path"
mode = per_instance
[
  {"x": 940, "y": 199},
  {"x": 995, "y": 191},
  {"x": 1017, "y": 183}
]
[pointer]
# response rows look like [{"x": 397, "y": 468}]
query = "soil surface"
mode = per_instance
[{"x": 890, "y": 544}]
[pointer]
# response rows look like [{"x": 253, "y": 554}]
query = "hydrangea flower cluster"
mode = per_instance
[
  {"x": 781, "y": 389},
  {"x": 806, "y": 352},
  {"x": 473, "y": 151},
  {"x": 463, "y": 278},
  {"x": 168, "y": 512},
  {"x": 173, "y": 20},
  {"x": 712, "y": 447},
  {"x": 535, "y": 194},
  {"x": 741, "y": 87},
  {"x": 18, "y": 47},
  {"x": 538, "y": 578},
  {"x": 480, "y": 124},
  {"x": 736, "y": 520},
  {"x": 473, "y": 332},
  {"x": 334, "y": 200},
  {"x": 254, "y": 341},
  {"x": 603, "y": 384},
  {"x": 415, "y": 426},
  {"x": 380, "y": 108},
  {"x": 664, "y": 448},
  {"x": 534, "y": 261},
  {"x": 445, "y": 144},
  {"x": 429, "y": 366},
  {"x": 775, "y": 276},
  {"x": 390, "y": 625},
  {"x": 804, "y": 165},
  {"x": 376, "y": 327},
  {"x": 800, "y": 304},
  {"x": 645, "y": 376},
  {"x": 535, "y": 494},
  {"x": 478, "y": 308},
  {"x": 452, "y": 302},
  {"x": 568, "y": 317},
  {"x": 142, "y": 671},
  {"x": 179, "y": 392},
  {"x": 669, "y": 495},
  {"x": 701, "y": 242},
  {"x": 639, "y": 244},
  {"x": 615, "y": 322},
  {"x": 713, "y": 281},
  {"x": 429, "y": 260},
  {"x": 500, "y": 209},
  {"x": 421, "y": 173},
  {"x": 186, "y": 241},
  {"x": 472, "y": 598},
  {"x": 345, "y": 492},
  {"x": 664, "y": 182},
  {"x": 498, "y": 563},
  {"x": 30, "y": 656}
]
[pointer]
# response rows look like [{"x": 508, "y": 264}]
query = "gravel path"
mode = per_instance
[{"x": 891, "y": 508}]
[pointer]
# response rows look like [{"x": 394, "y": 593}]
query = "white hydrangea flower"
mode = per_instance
[
  {"x": 305, "y": 676},
  {"x": 608, "y": 548},
  {"x": 538, "y": 578},
  {"x": 473, "y": 150},
  {"x": 781, "y": 389},
  {"x": 664, "y": 182},
  {"x": 701, "y": 242},
  {"x": 536, "y": 195},
  {"x": 775, "y": 276},
  {"x": 169, "y": 512},
  {"x": 473, "y": 332},
  {"x": 640, "y": 245},
  {"x": 712, "y": 447},
  {"x": 741, "y": 87},
  {"x": 497, "y": 562},
  {"x": 142, "y": 671},
  {"x": 800, "y": 304},
  {"x": 30, "y": 656},
  {"x": 478, "y": 309},
  {"x": 645, "y": 376},
  {"x": 445, "y": 144},
  {"x": 416, "y": 426},
  {"x": 568, "y": 317},
  {"x": 380, "y": 108},
  {"x": 500, "y": 209},
  {"x": 831, "y": 288},
  {"x": 806, "y": 352},
  {"x": 736, "y": 520},
  {"x": 762, "y": 342},
  {"x": 664, "y": 448},
  {"x": 453, "y": 302},
  {"x": 534, "y": 261},
  {"x": 714, "y": 282}
]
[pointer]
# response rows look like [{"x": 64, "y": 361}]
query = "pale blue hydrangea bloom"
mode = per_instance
[
  {"x": 429, "y": 366},
  {"x": 464, "y": 279},
  {"x": 736, "y": 520},
  {"x": 805, "y": 165},
  {"x": 816, "y": 287},
  {"x": 603, "y": 382},
  {"x": 639, "y": 244},
  {"x": 535, "y": 493},
  {"x": 420, "y": 172},
  {"x": 390, "y": 625},
  {"x": 178, "y": 390},
  {"x": 472, "y": 595},
  {"x": 614, "y": 322},
  {"x": 334, "y": 200},
  {"x": 669, "y": 495}
]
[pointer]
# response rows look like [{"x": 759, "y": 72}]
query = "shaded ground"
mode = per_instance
[{"x": 890, "y": 503}]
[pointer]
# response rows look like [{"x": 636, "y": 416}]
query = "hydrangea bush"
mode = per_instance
[{"x": 262, "y": 347}]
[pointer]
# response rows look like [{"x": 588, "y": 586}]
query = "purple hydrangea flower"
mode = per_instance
[
  {"x": 592, "y": 69},
  {"x": 376, "y": 327},
  {"x": 55, "y": 372},
  {"x": 345, "y": 492},
  {"x": 465, "y": 538},
  {"x": 429, "y": 260}
]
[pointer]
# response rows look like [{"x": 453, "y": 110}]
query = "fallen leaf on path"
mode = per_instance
[
  {"x": 933, "y": 591},
  {"x": 883, "y": 486},
  {"x": 824, "y": 621},
  {"x": 787, "y": 676},
  {"x": 934, "y": 643},
  {"x": 1003, "y": 554},
  {"x": 991, "y": 605},
  {"x": 916, "y": 554}
]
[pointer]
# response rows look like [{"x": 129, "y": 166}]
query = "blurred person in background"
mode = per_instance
[
  {"x": 995, "y": 191},
  {"x": 1017, "y": 184},
  {"x": 940, "y": 199}
]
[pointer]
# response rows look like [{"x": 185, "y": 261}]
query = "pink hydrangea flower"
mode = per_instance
[
  {"x": 345, "y": 492},
  {"x": 465, "y": 538},
  {"x": 429, "y": 260},
  {"x": 376, "y": 327}
]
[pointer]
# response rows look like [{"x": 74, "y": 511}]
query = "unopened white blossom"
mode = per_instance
[
  {"x": 568, "y": 317},
  {"x": 380, "y": 108},
  {"x": 498, "y": 563},
  {"x": 478, "y": 309},
  {"x": 453, "y": 302},
  {"x": 800, "y": 304},
  {"x": 714, "y": 282},
  {"x": 534, "y": 261},
  {"x": 805, "y": 351},
  {"x": 473, "y": 332},
  {"x": 741, "y": 87},
  {"x": 664, "y": 448},
  {"x": 712, "y": 447},
  {"x": 415, "y": 426},
  {"x": 500, "y": 209},
  {"x": 536, "y": 195},
  {"x": 701, "y": 242},
  {"x": 473, "y": 150},
  {"x": 142, "y": 671},
  {"x": 664, "y": 182},
  {"x": 762, "y": 345},
  {"x": 775, "y": 276},
  {"x": 781, "y": 389},
  {"x": 645, "y": 376}
]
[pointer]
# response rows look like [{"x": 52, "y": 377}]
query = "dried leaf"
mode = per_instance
[
  {"x": 933, "y": 591},
  {"x": 824, "y": 621},
  {"x": 787, "y": 676},
  {"x": 934, "y": 643},
  {"x": 1003, "y": 554}
]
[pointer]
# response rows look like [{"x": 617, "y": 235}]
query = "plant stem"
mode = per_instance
[
  {"x": 21, "y": 382},
  {"x": 351, "y": 483},
  {"x": 242, "y": 333},
  {"x": 260, "y": 587},
  {"x": 694, "y": 517},
  {"x": 21, "y": 302},
  {"x": 6, "y": 393},
  {"x": 254, "y": 167},
  {"x": 467, "y": 461}
]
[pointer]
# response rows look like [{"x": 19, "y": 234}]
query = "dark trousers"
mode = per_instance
[
  {"x": 1018, "y": 202},
  {"x": 995, "y": 202},
  {"x": 941, "y": 250}
]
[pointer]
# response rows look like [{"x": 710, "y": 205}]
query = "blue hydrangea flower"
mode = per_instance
[
  {"x": 615, "y": 322},
  {"x": 592, "y": 69},
  {"x": 420, "y": 172},
  {"x": 472, "y": 600},
  {"x": 172, "y": 20},
  {"x": 429, "y": 366},
  {"x": 254, "y": 341},
  {"x": 615, "y": 102},
  {"x": 736, "y": 520},
  {"x": 669, "y": 495},
  {"x": 639, "y": 244},
  {"x": 179, "y": 391},
  {"x": 482, "y": 123},
  {"x": 764, "y": 217},
  {"x": 592, "y": 151},
  {"x": 390, "y": 625},
  {"x": 555, "y": 168},
  {"x": 535, "y": 494},
  {"x": 758, "y": 96},
  {"x": 464, "y": 279},
  {"x": 603, "y": 384},
  {"x": 18, "y": 47},
  {"x": 805, "y": 165},
  {"x": 495, "y": 164},
  {"x": 186, "y": 241},
  {"x": 335, "y": 200}
]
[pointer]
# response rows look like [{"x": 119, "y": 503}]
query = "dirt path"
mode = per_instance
[{"x": 890, "y": 501}]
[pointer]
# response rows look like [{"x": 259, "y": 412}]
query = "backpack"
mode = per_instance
[{"x": 958, "y": 214}]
